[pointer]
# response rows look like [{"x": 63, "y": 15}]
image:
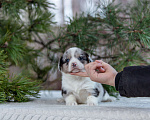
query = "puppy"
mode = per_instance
[{"x": 75, "y": 89}]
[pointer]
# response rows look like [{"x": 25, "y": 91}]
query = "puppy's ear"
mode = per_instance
[
  {"x": 88, "y": 58},
  {"x": 60, "y": 63}
]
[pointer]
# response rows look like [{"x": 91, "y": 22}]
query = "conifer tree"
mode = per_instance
[
  {"x": 19, "y": 88},
  {"x": 21, "y": 22}
]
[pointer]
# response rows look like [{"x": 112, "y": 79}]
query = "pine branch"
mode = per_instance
[{"x": 18, "y": 88}]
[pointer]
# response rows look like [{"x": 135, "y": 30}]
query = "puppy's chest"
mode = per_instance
[{"x": 77, "y": 86}]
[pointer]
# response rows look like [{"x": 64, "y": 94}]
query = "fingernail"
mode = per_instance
[
  {"x": 102, "y": 68},
  {"x": 99, "y": 61}
]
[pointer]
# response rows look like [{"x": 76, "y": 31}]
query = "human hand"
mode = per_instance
[{"x": 106, "y": 73}]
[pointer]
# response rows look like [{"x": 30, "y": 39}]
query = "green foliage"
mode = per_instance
[
  {"x": 111, "y": 90},
  {"x": 17, "y": 88},
  {"x": 3, "y": 72},
  {"x": 81, "y": 30},
  {"x": 22, "y": 22}
]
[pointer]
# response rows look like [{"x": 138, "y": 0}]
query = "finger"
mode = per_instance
[
  {"x": 99, "y": 61},
  {"x": 104, "y": 65},
  {"x": 81, "y": 74},
  {"x": 96, "y": 66},
  {"x": 101, "y": 69}
]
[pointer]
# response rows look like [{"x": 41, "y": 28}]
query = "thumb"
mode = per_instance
[{"x": 104, "y": 65}]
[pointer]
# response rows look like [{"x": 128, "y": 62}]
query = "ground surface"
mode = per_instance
[{"x": 47, "y": 108}]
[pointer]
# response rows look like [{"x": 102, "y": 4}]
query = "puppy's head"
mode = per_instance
[{"x": 73, "y": 60}]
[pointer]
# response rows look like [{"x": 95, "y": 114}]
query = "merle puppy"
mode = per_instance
[{"x": 77, "y": 89}]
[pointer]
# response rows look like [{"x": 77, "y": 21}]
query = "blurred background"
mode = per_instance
[
  {"x": 35, "y": 33},
  {"x": 65, "y": 9}
]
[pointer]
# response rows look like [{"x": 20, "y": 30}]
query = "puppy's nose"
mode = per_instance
[{"x": 74, "y": 64}]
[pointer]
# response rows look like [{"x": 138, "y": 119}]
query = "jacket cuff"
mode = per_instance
[{"x": 118, "y": 76}]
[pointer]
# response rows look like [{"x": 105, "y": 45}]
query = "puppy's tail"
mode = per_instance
[{"x": 107, "y": 97}]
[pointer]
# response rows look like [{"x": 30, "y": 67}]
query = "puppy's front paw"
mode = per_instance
[
  {"x": 92, "y": 101},
  {"x": 71, "y": 103},
  {"x": 71, "y": 100}
]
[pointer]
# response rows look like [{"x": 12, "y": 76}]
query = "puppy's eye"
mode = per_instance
[
  {"x": 67, "y": 60},
  {"x": 80, "y": 58}
]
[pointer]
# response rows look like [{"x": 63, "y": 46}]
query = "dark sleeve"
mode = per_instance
[{"x": 134, "y": 81}]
